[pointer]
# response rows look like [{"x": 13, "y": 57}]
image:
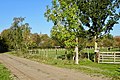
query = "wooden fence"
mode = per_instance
[
  {"x": 50, "y": 53},
  {"x": 34, "y": 51},
  {"x": 109, "y": 57}
]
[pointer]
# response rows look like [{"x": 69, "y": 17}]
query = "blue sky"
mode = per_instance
[{"x": 33, "y": 10}]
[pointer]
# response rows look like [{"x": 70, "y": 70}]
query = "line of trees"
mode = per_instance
[{"x": 19, "y": 37}]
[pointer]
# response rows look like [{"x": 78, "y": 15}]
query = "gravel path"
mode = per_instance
[{"x": 24, "y": 69}]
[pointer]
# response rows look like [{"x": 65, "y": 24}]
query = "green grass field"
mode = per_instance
[
  {"x": 85, "y": 65},
  {"x": 101, "y": 50},
  {"x": 4, "y": 73}
]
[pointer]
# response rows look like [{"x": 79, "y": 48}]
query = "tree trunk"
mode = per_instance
[
  {"x": 96, "y": 51},
  {"x": 76, "y": 52},
  {"x": 95, "y": 45}
]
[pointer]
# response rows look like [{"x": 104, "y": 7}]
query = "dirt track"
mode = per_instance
[{"x": 25, "y": 69}]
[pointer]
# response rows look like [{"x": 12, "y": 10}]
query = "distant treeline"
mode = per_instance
[{"x": 19, "y": 37}]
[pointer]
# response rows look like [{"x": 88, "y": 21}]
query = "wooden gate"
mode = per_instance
[{"x": 109, "y": 57}]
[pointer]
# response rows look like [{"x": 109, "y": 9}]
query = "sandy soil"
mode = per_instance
[{"x": 24, "y": 69}]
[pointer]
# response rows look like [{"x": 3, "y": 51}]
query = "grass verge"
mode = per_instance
[{"x": 4, "y": 73}]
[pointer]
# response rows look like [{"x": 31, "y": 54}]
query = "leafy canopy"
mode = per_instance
[{"x": 78, "y": 16}]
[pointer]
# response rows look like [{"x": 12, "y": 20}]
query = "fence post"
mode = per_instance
[
  {"x": 102, "y": 57},
  {"x": 114, "y": 57},
  {"x": 56, "y": 53},
  {"x": 96, "y": 56},
  {"x": 99, "y": 57}
]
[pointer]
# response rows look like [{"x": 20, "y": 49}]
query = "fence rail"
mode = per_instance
[
  {"x": 109, "y": 57},
  {"x": 45, "y": 50}
]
